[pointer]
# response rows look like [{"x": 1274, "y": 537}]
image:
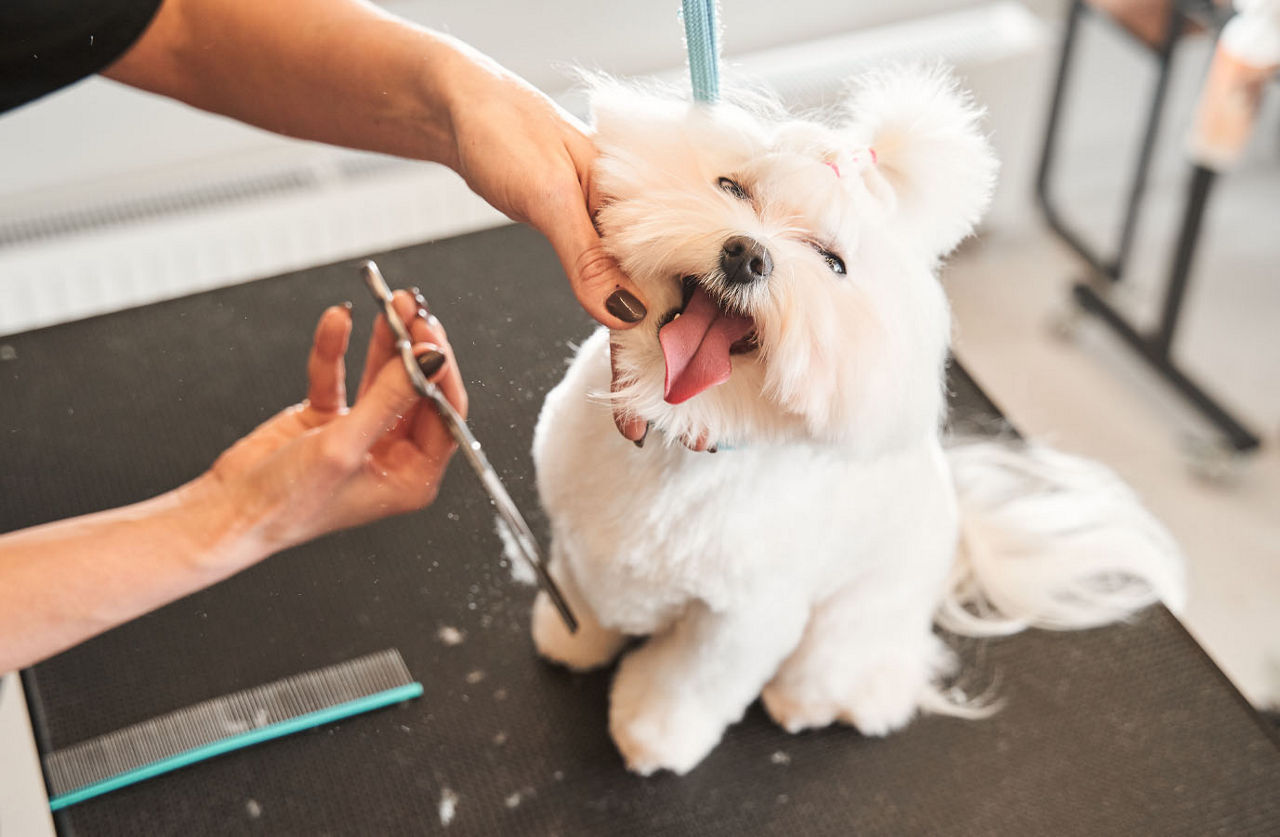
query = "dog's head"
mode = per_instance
[{"x": 788, "y": 265}]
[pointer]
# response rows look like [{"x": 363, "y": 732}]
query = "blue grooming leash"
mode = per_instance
[{"x": 704, "y": 54}]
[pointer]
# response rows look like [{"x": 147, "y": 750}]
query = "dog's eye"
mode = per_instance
[
  {"x": 733, "y": 188},
  {"x": 833, "y": 261}
]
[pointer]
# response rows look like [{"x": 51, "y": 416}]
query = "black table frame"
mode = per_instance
[{"x": 1156, "y": 346}]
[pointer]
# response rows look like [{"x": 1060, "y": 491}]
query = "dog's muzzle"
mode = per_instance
[{"x": 745, "y": 261}]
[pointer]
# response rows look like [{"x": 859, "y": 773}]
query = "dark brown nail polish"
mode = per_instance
[
  {"x": 623, "y": 305},
  {"x": 431, "y": 362},
  {"x": 640, "y": 442},
  {"x": 712, "y": 449}
]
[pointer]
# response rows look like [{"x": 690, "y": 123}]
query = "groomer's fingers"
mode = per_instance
[
  {"x": 600, "y": 286},
  {"x": 429, "y": 432},
  {"x": 699, "y": 443},
  {"x": 431, "y": 330},
  {"x": 383, "y": 405},
  {"x": 632, "y": 427},
  {"x": 326, "y": 367},
  {"x": 426, "y": 329},
  {"x": 382, "y": 343}
]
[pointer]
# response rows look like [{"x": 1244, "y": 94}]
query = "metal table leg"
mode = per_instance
[
  {"x": 1156, "y": 347},
  {"x": 1111, "y": 267}
]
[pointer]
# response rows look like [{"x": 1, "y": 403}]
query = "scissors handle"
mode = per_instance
[{"x": 469, "y": 445}]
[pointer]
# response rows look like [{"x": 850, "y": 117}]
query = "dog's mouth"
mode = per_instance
[{"x": 697, "y": 342}]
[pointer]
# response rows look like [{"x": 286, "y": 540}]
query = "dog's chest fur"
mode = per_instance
[{"x": 645, "y": 531}]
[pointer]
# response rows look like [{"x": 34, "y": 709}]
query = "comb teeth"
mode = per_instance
[{"x": 210, "y": 721}]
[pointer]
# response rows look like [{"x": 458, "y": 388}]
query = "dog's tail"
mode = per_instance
[{"x": 1053, "y": 541}]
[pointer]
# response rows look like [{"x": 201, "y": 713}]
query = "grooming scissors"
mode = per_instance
[{"x": 467, "y": 443}]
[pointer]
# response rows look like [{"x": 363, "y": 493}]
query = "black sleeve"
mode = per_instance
[{"x": 48, "y": 44}]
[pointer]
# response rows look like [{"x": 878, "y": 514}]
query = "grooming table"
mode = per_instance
[{"x": 1127, "y": 730}]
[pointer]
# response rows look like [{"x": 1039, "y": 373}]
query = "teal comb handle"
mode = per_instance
[{"x": 239, "y": 741}]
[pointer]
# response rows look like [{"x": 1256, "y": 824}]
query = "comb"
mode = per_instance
[{"x": 231, "y": 722}]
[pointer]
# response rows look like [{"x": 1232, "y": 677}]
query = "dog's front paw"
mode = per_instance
[
  {"x": 658, "y": 726},
  {"x": 883, "y": 699},
  {"x": 796, "y": 712},
  {"x": 663, "y": 736},
  {"x": 592, "y": 646}
]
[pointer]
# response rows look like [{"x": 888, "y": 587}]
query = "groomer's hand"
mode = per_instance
[
  {"x": 355, "y": 75},
  {"x": 532, "y": 161},
  {"x": 316, "y": 467},
  {"x": 320, "y": 466}
]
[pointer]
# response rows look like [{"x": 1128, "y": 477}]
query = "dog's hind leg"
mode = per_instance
[
  {"x": 673, "y": 698},
  {"x": 592, "y": 646},
  {"x": 867, "y": 656}
]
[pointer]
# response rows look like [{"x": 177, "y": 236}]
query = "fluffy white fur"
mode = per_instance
[{"x": 806, "y": 562}]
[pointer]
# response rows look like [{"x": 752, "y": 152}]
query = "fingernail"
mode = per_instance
[
  {"x": 623, "y": 305},
  {"x": 432, "y": 321},
  {"x": 420, "y": 299},
  {"x": 347, "y": 305},
  {"x": 431, "y": 362},
  {"x": 640, "y": 442},
  {"x": 422, "y": 314},
  {"x": 711, "y": 449}
]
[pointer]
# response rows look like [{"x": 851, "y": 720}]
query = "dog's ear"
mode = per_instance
[{"x": 929, "y": 162}]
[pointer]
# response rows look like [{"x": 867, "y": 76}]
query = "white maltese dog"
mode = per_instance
[{"x": 797, "y": 327}]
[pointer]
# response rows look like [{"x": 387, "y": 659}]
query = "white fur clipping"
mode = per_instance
[{"x": 1051, "y": 541}]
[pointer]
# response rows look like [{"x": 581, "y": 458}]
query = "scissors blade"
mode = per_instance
[{"x": 470, "y": 447}]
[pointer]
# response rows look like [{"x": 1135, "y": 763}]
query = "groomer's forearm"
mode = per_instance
[
  {"x": 336, "y": 71},
  {"x": 67, "y": 581}
]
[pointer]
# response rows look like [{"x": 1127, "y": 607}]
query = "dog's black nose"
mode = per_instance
[{"x": 744, "y": 260}]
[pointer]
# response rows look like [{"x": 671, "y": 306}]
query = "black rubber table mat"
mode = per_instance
[{"x": 1128, "y": 730}]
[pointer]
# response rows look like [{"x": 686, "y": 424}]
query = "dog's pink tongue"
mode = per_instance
[{"x": 696, "y": 347}]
